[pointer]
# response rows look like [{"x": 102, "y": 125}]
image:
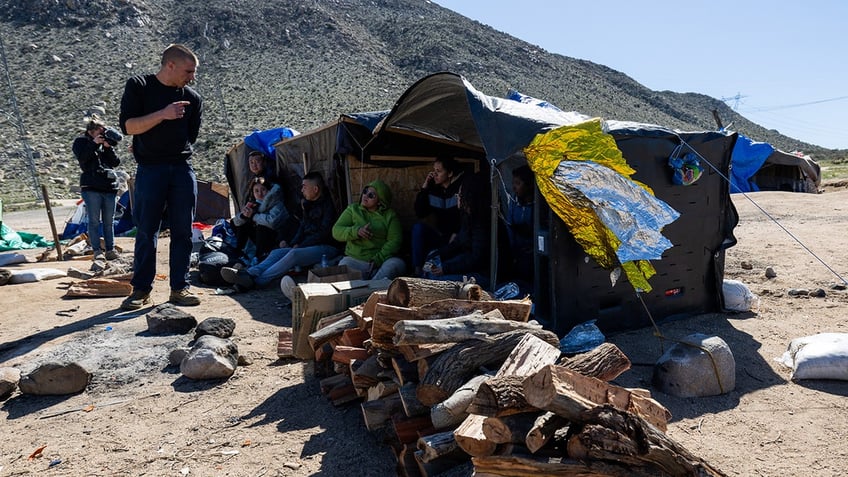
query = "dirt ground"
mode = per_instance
[{"x": 139, "y": 417}]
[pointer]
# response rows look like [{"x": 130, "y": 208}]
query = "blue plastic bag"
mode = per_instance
[{"x": 582, "y": 338}]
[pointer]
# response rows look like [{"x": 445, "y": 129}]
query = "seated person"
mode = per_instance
[
  {"x": 312, "y": 240},
  {"x": 260, "y": 166},
  {"x": 468, "y": 254},
  {"x": 372, "y": 234},
  {"x": 519, "y": 222},
  {"x": 262, "y": 218},
  {"x": 435, "y": 207}
]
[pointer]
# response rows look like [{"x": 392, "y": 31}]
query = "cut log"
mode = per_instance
[
  {"x": 529, "y": 355},
  {"x": 435, "y": 446},
  {"x": 440, "y": 466},
  {"x": 381, "y": 390},
  {"x": 500, "y": 396},
  {"x": 285, "y": 346},
  {"x": 411, "y": 292},
  {"x": 334, "y": 381},
  {"x": 529, "y": 466},
  {"x": 510, "y": 429},
  {"x": 413, "y": 353},
  {"x": 354, "y": 337},
  {"x": 569, "y": 394},
  {"x": 411, "y": 405},
  {"x": 544, "y": 428},
  {"x": 324, "y": 352},
  {"x": 452, "y": 368},
  {"x": 370, "y": 304},
  {"x": 332, "y": 331},
  {"x": 378, "y": 413},
  {"x": 452, "y": 411},
  {"x": 344, "y": 354},
  {"x": 99, "y": 287},
  {"x": 365, "y": 373},
  {"x": 409, "y": 429},
  {"x": 453, "y": 330},
  {"x": 606, "y": 362},
  {"x": 610, "y": 434},
  {"x": 405, "y": 371},
  {"x": 470, "y": 438}
]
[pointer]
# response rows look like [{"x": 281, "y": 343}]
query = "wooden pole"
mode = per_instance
[{"x": 52, "y": 222}]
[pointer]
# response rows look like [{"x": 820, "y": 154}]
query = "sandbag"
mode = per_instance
[
  {"x": 737, "y": 296},
  {"x": 35, "y": 274},
  {"x": 820, "y": 356}
]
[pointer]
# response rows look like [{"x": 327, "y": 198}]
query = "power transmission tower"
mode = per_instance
[{"x": 736, "y": 100}]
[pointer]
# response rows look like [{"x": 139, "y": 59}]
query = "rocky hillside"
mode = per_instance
[{"x": 283, "y": 63}]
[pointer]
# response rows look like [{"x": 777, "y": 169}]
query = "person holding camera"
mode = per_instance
[
  {"x": 436, "y": 209},
  {"x": 163, "y": 115},
  {"x": 97, "y": 158}
]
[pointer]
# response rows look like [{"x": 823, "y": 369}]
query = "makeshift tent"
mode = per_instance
[
  {"x": 444, "y": 114},
  {"x": 759, "y": 166}
]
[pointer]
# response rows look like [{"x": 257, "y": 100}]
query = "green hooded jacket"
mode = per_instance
[{"x": 386, "y": 231}]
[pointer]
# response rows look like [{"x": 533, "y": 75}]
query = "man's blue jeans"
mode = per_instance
[
  {"x": 159, "y": 187},
  {"x": 101, "y": 210},
  {"x": 281, "y": 260}
]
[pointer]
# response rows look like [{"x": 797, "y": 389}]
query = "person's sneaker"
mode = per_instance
[
  {"x": 99, "y": 256},
  {"x": 287, "y": 286},
  {"x": 238, "y": 277},
  {"x": 183, "y": 298},
  {"x": 112, "y": 255},
  {"x": 136, "y": 300}
]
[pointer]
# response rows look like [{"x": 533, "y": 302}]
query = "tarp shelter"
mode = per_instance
[
  {"x": 444, "y": 114},
  {"x": 758, "y": 166}
]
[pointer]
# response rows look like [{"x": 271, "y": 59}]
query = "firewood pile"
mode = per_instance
[{"x": 443, "y": 380}]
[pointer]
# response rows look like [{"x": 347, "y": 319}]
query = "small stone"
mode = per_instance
[
  {"x": 818, "y": 293},
  {"x": 770, "y": 273},
  {"x": 838, "y": 286},
  {"x": 798, "y": 292},
  {"x": 746, "y": 265}
]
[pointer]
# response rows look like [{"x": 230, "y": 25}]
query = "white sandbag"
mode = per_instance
[
  {"x": 11, "y": 258},
  {"x": 737, "y": 296},
  {"x": 821, "y": 356},
  {"x": 36, "y": 274}
]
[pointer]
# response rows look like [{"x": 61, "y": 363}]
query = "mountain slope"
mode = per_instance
[{"x": 293, "y": 63}]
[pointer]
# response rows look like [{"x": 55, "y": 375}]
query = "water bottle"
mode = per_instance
[{"x": 324, "y": 262}]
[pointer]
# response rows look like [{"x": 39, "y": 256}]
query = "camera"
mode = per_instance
[{"x": 112, "y": 136}]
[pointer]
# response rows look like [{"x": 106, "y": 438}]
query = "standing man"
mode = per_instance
[{"x": 163, "y": 116}]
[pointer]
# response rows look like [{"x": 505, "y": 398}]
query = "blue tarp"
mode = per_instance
[
  {"x": 264, "y": 140},
  {"x": 747, "y": 158}
]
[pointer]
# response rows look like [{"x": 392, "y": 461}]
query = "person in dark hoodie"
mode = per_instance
[
  {"x": 436, "y": 210},
  {"x": 312, "y": 240},
  {"x": 97, "y": 158},
  {"x": 372, "y": 233},
  {"x": 468, "y": 254}
]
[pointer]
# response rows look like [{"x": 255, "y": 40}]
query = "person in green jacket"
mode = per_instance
[{"x": 372, "y": 234}]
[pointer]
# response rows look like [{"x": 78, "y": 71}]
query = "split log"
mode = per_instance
[
  {"x": 378, "y": 413},
  {"x": 354, "y": 337},
  {"x": 411, "y": 405},
  {"x": 470, "y": 438},
  {"x": 99, "y": 287},
  {"x": 334, "y": 381},
  {"x": 409, "y": 429},
  {"x": 530, "y": 355},
  {"x": 333, "y": 330},
  {"x": 610, "y": 434},
  {"x": 454, "y": 367},
  {"x": 285, "y": 346},
  {"x": 344, "y": 354},
  {"x": 606, "y": 362},
  {"x": 324, "y": 352},
  {"x": 381, "y": 390},
  {"x": 365, "y": 372},
  {"x": 405, "y": 371},
  {"x": 501, "y": 396},
  {"x": 411, "y": 292},
  {"x": 544, "y": 428},
  {"x": 385, "y": 316},
  {"x": 453, "y": 410},
  {"x": 370, "y": 304},
  {"x": 435, "y": 446},
  {"x": 342, "y": 395},
  {"x": 413, "y": 353},
  {"x": 439, "y": 466},
  {"x": 569, "y": 394},
  {"x": 510, "y": 429},
  {"x": 453, "y": 330}
]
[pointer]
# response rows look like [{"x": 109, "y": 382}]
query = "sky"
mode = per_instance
[{"x": 781, "y": 64}]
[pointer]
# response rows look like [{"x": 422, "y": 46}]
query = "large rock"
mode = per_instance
[
  {"x": 700, "y": 365},
  {"x": 9, "y": 378},
  {"x": 215, "y": 326},
  {"x": 55, "y": 379},
  {"x": 210, "y": 358},
  {"x": 167, "y": 319}
]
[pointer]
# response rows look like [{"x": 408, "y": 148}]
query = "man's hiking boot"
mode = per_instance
[
  {"x": 112, "y": 255},
  {"x": 238, "y": 277},
  {"x": 136, "y": 300},
  {"x": 183, "y": 298}
]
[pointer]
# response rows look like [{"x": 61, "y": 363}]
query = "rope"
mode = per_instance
[{"x": 764, "y": 212}]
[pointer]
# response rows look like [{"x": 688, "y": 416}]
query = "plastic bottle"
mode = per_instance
[{"x": 324, "y": 262}]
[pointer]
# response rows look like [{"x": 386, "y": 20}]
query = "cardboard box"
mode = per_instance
[
  {"x": 313, "y": 301},
  {"x": 332, "y": 274}
]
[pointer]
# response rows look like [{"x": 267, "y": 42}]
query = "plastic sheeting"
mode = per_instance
[{"x": 586, "y": 181}]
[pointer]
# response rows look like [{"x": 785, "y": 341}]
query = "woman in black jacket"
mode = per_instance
[{"x": 98, "y": 182}]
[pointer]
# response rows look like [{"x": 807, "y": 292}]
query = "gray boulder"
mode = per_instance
[
  {"x": 699, "y": 365},
  {"x": 55, "y": 379},
  {"x": 9, "y": 378},
  {"x": 210, "y": 358},
  {"x": 215, "y": 326},
  {"x": 167, "y": 319}
]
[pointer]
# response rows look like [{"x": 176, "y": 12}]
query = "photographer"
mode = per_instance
[{"x": 96, "y": 156}]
